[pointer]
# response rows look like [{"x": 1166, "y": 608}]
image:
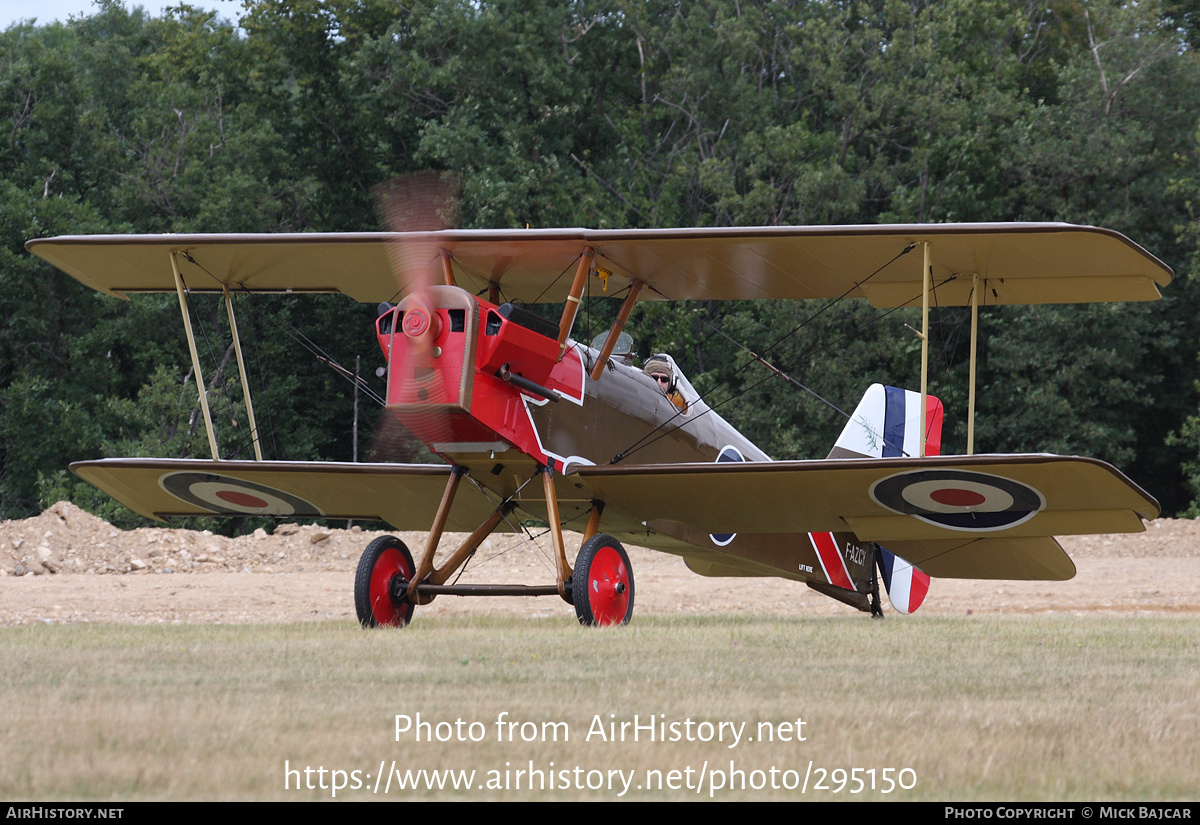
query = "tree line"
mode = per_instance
[{"x": 606, "y": 114}]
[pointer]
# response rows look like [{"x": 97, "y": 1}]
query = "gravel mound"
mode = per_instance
[{"x": 68, "y": 539}]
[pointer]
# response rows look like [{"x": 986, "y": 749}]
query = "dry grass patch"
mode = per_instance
[{"x": 1053, "y": 708}]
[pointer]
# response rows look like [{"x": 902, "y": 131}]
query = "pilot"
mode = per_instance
[{"x": 660, "y": 370}]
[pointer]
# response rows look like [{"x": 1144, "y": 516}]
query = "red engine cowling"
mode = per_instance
[{"x": 449, "y": 354}]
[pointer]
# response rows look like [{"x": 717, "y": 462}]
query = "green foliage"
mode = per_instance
[{"x": 602, "y": 114}]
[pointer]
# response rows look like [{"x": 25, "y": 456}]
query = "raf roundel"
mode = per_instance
[
  {"x": 959, "y": 499},
  {"x": 728, "y": 453},
  {"x": 234, "y": 496}
]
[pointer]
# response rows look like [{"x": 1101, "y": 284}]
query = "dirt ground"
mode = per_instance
[{"x": 69, "y": 566}]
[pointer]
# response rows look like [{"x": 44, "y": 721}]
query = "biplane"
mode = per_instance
[{"x": 540, "y": 424}]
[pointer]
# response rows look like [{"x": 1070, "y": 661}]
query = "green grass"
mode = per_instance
[{"x": 1053, "y": 708}]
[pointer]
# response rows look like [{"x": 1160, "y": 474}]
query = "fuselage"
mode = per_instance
[
  {"x": 451, "y": 391},
  {"x": 488, "y": 387}
]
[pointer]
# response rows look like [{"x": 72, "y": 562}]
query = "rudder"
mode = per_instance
[{"x": 886, "y": 424}]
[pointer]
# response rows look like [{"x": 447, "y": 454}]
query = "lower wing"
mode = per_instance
[
  {"x": 979, "y": 517},
  {"x": 404, "y": 495},
  {"x": 954, "y": 516}
]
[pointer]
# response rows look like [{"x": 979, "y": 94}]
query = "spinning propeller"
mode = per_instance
[{"x": 414, "y": 203}]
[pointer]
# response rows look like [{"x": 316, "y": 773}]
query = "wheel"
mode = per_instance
[
  {"x": 602, "y": 586},
  {"x": 384, "y": 571}
]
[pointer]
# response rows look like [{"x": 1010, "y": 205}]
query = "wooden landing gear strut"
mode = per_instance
[{"x": 389, "y": 585}]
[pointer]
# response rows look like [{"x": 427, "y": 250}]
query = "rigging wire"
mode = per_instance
[
  {"x": 557, "y": 278},
  {"x": 224, "y": 405},
  {"x": 266, "y": 408},
  {"x": 638, "y": 445},
  {"x": 241, "y": 443},
  {"x": 756, "y": 357},
  {"x": 324, "y": 358},
  {"x": 519, "y": 529},
  {"x": 298, "y": 336}
]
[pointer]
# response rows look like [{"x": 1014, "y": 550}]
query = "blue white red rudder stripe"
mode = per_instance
[
  {"x": 885, "y": 424},
  {"x": 906, "y": 585}
]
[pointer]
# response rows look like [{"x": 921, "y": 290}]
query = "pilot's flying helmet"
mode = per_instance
[{"x": 658, "y": 365}]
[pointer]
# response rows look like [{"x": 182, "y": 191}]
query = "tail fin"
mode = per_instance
[{"x": 887, "y": 423}]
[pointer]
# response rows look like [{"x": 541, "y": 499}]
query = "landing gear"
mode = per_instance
[
  {"x": 381, "y": 584},
  {"x": 602, "y": 584},
  {"x": 389, "y": 585}
]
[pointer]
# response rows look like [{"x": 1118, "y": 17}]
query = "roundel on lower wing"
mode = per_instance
[
  {"x": 234, "y": 496},
  {"x": 959, "y": 499},
  {"x": 728, "y": 453}
]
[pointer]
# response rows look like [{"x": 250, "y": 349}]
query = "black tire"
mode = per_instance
[
  {"x": 602, "y": 585},
  {"x": 383, "y": 562}
]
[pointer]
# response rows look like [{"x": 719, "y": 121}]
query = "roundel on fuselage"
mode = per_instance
[{"x": 728, "y": 453}]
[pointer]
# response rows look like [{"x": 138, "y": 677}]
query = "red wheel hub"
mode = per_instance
[
  {"x": 391, "y": 563},
  {"x": 608, "y": 587}
]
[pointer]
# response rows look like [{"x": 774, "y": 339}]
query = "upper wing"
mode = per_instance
[
  {"x": 1019, "y": 263},
  {"x": 404, "y": 495}
]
